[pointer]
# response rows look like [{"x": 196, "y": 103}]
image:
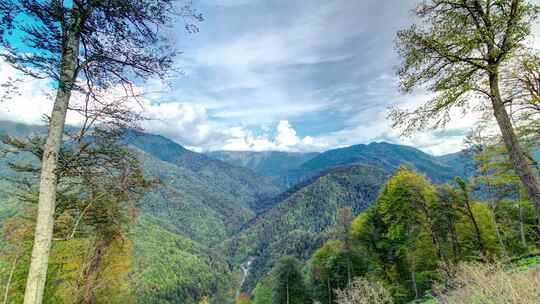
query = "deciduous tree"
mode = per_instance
[
  {"x": 288, "y": 283},
  {"x": 460, "y": 52}
]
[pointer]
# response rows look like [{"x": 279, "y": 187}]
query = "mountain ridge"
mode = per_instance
[{"x": 380, "y": 154}]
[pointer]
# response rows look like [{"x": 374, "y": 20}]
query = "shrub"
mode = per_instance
[
  {"x": 363, "y": 291},
  {"x": 476, "y": 283}
]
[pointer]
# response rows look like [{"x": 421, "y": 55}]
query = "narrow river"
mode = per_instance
[{"x": 244, "y": 272}]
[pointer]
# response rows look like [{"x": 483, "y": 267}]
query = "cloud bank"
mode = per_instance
[{"x": 279, "y": 75}]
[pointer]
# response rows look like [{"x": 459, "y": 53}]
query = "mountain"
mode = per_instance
[
  {"x": 204, "y": 199},
  {"x": 291, "y": 168},
  {"x": 273, "y": 164},
  {"x": 382, "y": 155},
  {"x": 461, "y": 162},
  {"x": 171, "y": 268},
  {"x": 215, "y": 211},
  {"x": 304, "y": 217},
  {"x": 19, "y": 129},
  {"x": 236, "y": 184},
  {"x": 200, "y": 202}
]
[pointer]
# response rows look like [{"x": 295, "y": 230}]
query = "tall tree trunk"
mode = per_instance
[
  {"x": 476, "y": 229},
  {"x": 494, "y": 204},
  {"x": 498, "y": 233},
  {"x": 35, "y": 284},
  {"x": 518, "y": 158},
  {"x": 456, "y": 249},
  {"x": 349, "y": 264}
]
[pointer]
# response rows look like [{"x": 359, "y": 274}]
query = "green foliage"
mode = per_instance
[
  {"x": 262, "y": 294},
  {"x": 400, "y": 235},
  {"x": 288, "y": 282},
  {"x": 99, "y": 182},
  {"x": 388, "y": 157},
  {"x": 529, "y": 261},
  {"x": 200, "y": 199},
  {"x": 332, "y": 267},
  {"x": 170, "y": 268},
  {"x": 304, "y": 218},
  {"x": 416, "y": 232},
  {"x": 452, "y": 52}
]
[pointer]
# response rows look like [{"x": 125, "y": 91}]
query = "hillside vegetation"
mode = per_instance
[{"x": 304, "y": 218}]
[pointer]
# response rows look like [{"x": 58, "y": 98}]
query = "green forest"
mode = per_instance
[{"x": 113, "y": 191}]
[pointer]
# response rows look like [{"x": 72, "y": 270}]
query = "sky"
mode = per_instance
[{"x": 288, "y": 75}]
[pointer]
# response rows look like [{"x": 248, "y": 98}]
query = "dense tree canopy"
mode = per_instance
[{"x": 462, "y": 52}]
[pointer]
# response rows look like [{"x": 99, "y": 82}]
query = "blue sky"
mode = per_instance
[
  {"x": 291, "y": 75},
  {"x": 325, "y": 69}
]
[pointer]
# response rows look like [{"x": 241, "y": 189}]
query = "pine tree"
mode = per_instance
[
  {"x": 99, "y": 183},
  {"x": 88, "y": 47}
]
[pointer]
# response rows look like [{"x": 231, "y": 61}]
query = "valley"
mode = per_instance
[
  {"x": 269, "y": 152},
  {"x": 225, "y": 221}
]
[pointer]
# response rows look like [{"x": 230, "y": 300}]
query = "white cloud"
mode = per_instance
[
  {"x": 191, "y": 126},
  {"x": 315, "y": 63},
  {"x": 31, "y": 102},
  {"x": 285, "y": 139},
  {"x": 184, "y": 123},
  {"x": 286, "y": 135}
]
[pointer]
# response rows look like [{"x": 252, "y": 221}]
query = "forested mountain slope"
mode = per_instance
[
  {"x": 274, "y": 164},
  {"x": 209, "y": 215},
  {"x": 382, "y": 155},
  {"x": 239, "y": 184},
  {"x": 205, "y": 199},
  {"x": 303, "y": 219},
  {"x": 291, "y": 168},
  {"x": 171, "y": 268},
  {"x": 198, "y": 203}
]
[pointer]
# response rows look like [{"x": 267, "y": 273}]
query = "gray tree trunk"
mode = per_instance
[
  {"x": 35, "y": 284},
  {"x": 518, "y": 158}
]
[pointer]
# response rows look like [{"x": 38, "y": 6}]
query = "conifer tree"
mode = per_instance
[{"x": 87, "y": 47}]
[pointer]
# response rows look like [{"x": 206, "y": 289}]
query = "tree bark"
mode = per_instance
[
  {"x": 35, "y": 284},
  {"x": 515, "y": 152},
  {"x": 494, "y": 204}
]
